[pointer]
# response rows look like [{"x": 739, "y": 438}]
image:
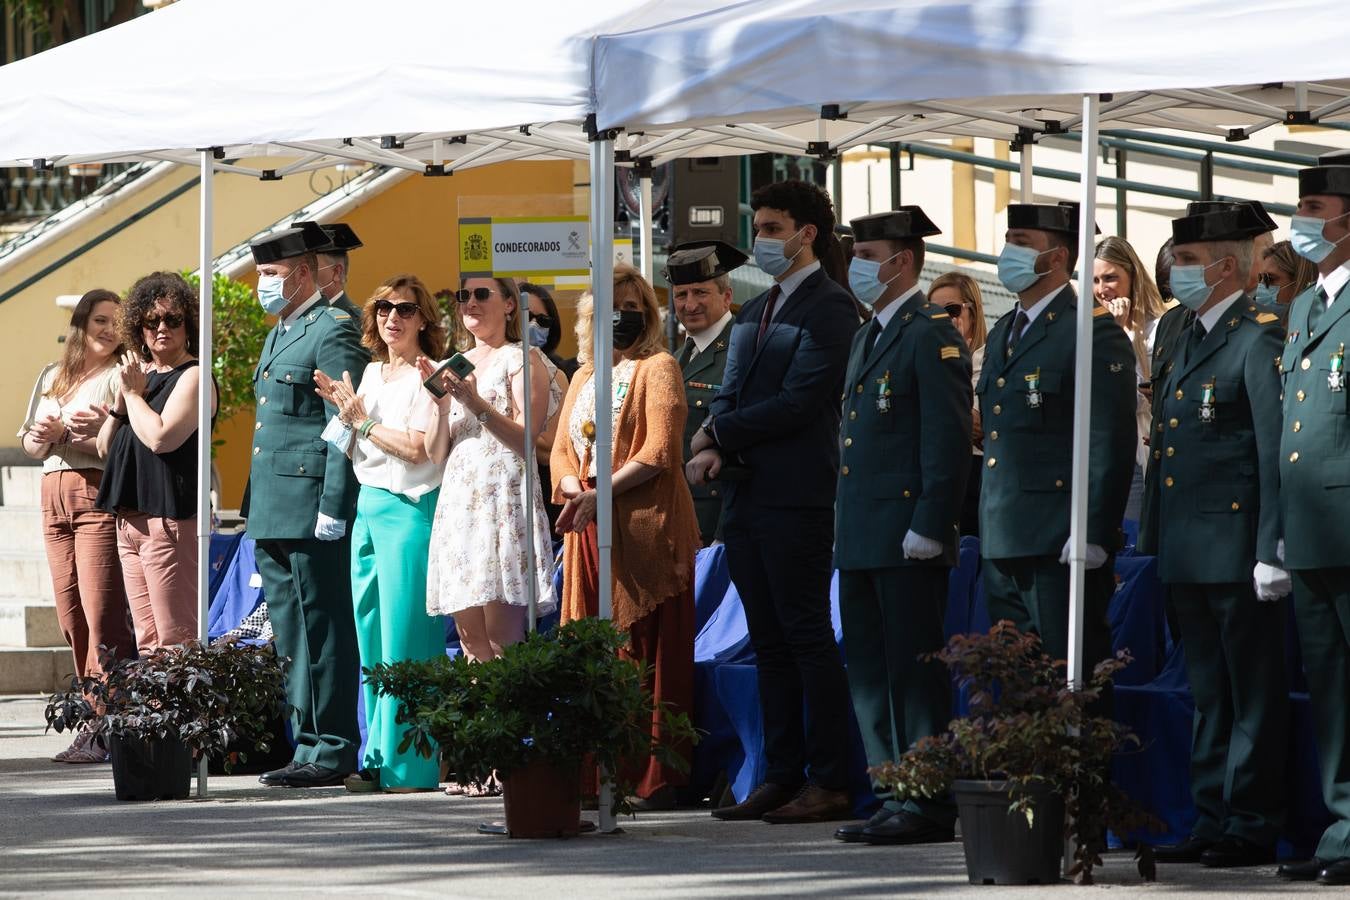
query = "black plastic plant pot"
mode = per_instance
[
  {"x": 150, "y": 770},
  {"x": 1001, "y": 848}
]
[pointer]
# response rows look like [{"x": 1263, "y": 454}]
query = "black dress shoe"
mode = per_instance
[
  {"x": 852, "y": 832},
  {"x": 312, "y": 775},
  {"x": 1307, "y": 870},
  {"x": 277, "y": 777},
  {"x": 1188, "y": 851},
  {"x": 907, "y": 828},
  {"x": 765, "y": 798},
  {"x": 1235, "y": 852},
  {"x": 1335, "y": 873}
]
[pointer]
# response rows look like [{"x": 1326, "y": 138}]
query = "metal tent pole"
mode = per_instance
[
  {"x": 531, "y": 469},
  {"x": 602, "y": 355},
  {"x": 645, "y": 215},
  {"x": 1024, "y": 181},
  {"x": 204, "y": 384}
]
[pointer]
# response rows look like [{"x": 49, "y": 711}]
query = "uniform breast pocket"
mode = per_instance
[
  {"x": 1042, "y": 393},
  {"x": 887, "y": 401},
  {"x": 295, "y": 391},
  {"x": 1329, "y": 390},
  {"x": 299, "y": 463}
]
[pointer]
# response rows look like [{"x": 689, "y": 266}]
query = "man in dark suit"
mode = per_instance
[
  {"x": 1314, "y": 482},
  {"x": 334, "y": 261},
  {"x": 1214, "y": 524},
  {"x": 1026, "y": 393},
  {"x": 700, "y": 282},
  {"x": 902, "y": 482},
  {"x": 300, "y": 503},
  {"x": 777, "y": 414}
]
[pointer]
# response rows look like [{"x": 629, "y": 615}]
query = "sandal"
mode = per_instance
[
  {"x": 84, "y": 751},
  {"x": 366, "y": 781}
]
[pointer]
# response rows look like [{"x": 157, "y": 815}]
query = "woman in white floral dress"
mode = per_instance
[{"x": 477, "y": 568}]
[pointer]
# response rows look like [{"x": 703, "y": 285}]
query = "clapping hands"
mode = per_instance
[{"x": 342, "y": 394}]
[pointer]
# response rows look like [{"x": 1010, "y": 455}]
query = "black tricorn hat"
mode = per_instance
[
  {"x": 303, "y": 237},
  {"x": 696, "y": 261},
  {"x": 1200, "y": 207},
  {"x": 341, "y": 237},
  {"x": 1232, "y": 222},
  {"x": 1061, "y": 217},
  {"x": 1331, "y": 175},
  {"x": 901, "y": 224}
]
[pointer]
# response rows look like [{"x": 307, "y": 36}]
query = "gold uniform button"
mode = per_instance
[
  {"x": 998, "y": 410},
  {"x": 1059, "y": 483},
  {"x": 1235, "y": 506},
  {"x": 698, "y": 402},
  {"x": 848, "y": 442},
  {"x": 906, "y": 495},
  {"x": 712, "y": 493},
  {"x": 993, "y": 435},
  {"x": 1172, "y": 423},
  {"x": 1160, "y": 428},
  {"x": 262, "y": 401},
  {"x": 1299, "y": 396},
  {"x": 257, "y": 450},
  {"x": 1000, "y": 382},
  {"x": 859, "y": 389},
  {"x": 1180, "y": 395},
  {"x": 844, "y": 470},
  {"x": 257, "y": 426},
  {"x": 1305, "y": 364},
  {"x": 1171, "y": 451},
  {"x": 1168, "y": 481},
  {"x": 1293, "y": 457},
  {"x": 853, "y": 415},
  {"x": 1157, "y": 454},
  {"x": 1298, "y": 426},
  {"x": 992, "y": 462}
]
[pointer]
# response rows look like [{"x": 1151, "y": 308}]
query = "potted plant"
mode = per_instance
[
  {"x": 532, "y": 716},
  {"x": 1029, "y": 764},
  {"x": 157, "y": 713}
]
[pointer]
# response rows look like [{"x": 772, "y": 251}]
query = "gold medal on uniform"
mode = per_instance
[
  {"x": 1336, "y": 377},
  {"x": 1034, "y": 389},
  {"x": 884, "y": 393},
  {"x": 1208, "y": 414}
]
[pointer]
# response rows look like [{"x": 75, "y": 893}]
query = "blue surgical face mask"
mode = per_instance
[
  {"x": 1267, "y": 294},
  {"x": 272, "y": 293},
  {"x": 1017, "y": 267},
  {"x": 769, "y": 254},
  {"x": 538, "y": 335},
  {"x": 864, "y": 280},
  {"x": 1305, "y": 233},
  {"x": 1189, "y": 285}
]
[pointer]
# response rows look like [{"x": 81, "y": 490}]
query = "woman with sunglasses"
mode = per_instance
[
  {"x": 477, "y": 569},
  {"x": 1283, "y": 276},
  {"x": 69, "y": 405},
  {"x": 386, "y": 425},
  {"x": 959, "y": 295},
  {"x": 150, "y": 440}
]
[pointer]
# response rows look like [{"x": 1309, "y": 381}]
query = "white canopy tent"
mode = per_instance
[{"x": 435, "y": 87}]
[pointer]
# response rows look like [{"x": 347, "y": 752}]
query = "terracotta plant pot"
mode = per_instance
[
  {"x": 1000, "y": 847},
  {"x": 543, "y": 801}
]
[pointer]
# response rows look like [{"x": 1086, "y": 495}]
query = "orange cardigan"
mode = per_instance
[{"x": 655, "y": 531}]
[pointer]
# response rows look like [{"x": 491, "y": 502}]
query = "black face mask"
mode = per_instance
[{"x": 628, "y": 325}]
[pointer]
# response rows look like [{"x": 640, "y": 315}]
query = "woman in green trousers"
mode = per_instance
[{"x": 386, "y": 423}]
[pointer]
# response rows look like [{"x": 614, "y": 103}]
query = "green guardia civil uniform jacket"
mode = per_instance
[
  {"x": 344, "y": 303},
  {"x": 1026, "y": 409},
  {"x": 905, "y": 454},
  {"x": 1214, "y": 452},
  {"x": 1315, "y": 440},
  {"x": 295, "y": 473},
  {"x": 702, "y": 381}
]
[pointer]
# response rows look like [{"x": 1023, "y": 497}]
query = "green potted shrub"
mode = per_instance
[
  {"x": 1029, "y": 765},
  {"x": 531, "y": 716},
  {"x": 157, "y": 713}
]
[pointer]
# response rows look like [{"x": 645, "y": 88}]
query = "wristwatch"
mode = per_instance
[
  {"x": 707, "y": 428},
  {"x": 484, "y": 416}
]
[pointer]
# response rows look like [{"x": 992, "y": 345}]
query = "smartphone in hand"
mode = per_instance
[{"x": 459, "y": 364}]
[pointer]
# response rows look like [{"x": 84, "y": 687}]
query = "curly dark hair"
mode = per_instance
[
  {"x": 168, "y": 286},
  {"x": 808, "y": 204}
]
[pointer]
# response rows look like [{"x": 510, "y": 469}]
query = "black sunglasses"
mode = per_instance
[
  {"x": 955, "y": 309},
  {"x": 173, "y": 320},
  {"x": 542, "y": 319},
  {"x": 405, "y": 310},
  {"x": 479, "y": 294},
  {"x": 1268, "y": 280}
]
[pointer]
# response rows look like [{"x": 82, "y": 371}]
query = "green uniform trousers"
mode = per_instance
[
  {"x": 389, "y": 596},
  {"x": 308, "y": 592},
  {"x": 1235, "y": 664},
  {"x": 891, "y": 617},
  {"x": 1322, "y": 608}
]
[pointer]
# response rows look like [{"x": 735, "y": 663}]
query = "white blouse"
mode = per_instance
[
  {"x": 105, "y": 388},
  {"x": 404, "y": 405}
]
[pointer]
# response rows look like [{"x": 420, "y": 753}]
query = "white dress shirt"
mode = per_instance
[
  {"x": 1332, "y": 282},
  {"x": 789, "y": 285},
  {"x": 704, "y": 338}
]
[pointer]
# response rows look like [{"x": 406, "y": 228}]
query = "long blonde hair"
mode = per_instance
[
  {"x": 627, "y": 281},
  {"x": 1146, "y": 302},
  {"x": 969, "y": 291}
]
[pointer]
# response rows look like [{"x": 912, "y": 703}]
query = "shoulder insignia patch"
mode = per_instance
[
  {"x": 1116, "y": 368},
  {"x": 1100, "y": 311},
  {"x": 1266, "y": 318},
  {"x": 950, "y": 353},
  {"x": 341, "y": 316},
  {"x": 941, "y": 315}
]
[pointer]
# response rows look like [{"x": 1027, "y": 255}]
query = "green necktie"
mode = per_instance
[{"x": 1319, "y": 307}]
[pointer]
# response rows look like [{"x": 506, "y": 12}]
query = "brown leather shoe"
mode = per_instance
[
  {"x": 813, "y": 803},
  {"x": 766, "y": 797}
]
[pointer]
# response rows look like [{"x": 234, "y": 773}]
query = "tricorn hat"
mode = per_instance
[
  {"x": 1061, "y": 217},
  {"x": 1229, "y": 222},
  {"x": 341, "y": 237},
  {"x": 1199, "y": 207},
  {"x": 696, "y": 261},
  {"x": 901, "y": 224},
  {"x": 304, "y": 237},
  {"x": 1331, "y": 175}
]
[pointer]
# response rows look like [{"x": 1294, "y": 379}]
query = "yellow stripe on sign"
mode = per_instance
[
  {"x": 525, "y": 219},
  {"x": 950, "y": 352}
]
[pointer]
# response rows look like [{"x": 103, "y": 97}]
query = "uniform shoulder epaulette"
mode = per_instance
[
  {"x": 1100, "y": 311},
  {"x": 933, "y": 311},
  {"x": 1266, "y": 318},
  {"x": 949, "y": 352},
  {"x": 338, "y": 315}
]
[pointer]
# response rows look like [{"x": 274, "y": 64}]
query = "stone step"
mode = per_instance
[
  {"x": 21, "y": 529},
  {"x": 21, "y": 486},
  {"x": 26, "y": 575},
  {"x": 35, "y": 670},
  {"x": 28, "y": 624}
]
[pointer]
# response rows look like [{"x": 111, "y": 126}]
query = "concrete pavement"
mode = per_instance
[{"x": 63, "y": 833}]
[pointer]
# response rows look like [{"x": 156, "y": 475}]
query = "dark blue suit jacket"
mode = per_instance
[{"x": 778, "y": 409}]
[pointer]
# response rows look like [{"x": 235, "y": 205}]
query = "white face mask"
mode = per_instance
[{"x": 770, "y": 257}]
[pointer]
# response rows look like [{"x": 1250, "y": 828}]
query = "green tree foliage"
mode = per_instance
[{"x": 238, "y": 331}]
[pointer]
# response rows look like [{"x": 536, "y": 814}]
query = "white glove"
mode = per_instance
[
  {"x": 1271, "y": 582},
  {"x": 917, "y": 546},
  {"x": 1096, "y": 556},
  {"x": 330, "y": 529}
]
